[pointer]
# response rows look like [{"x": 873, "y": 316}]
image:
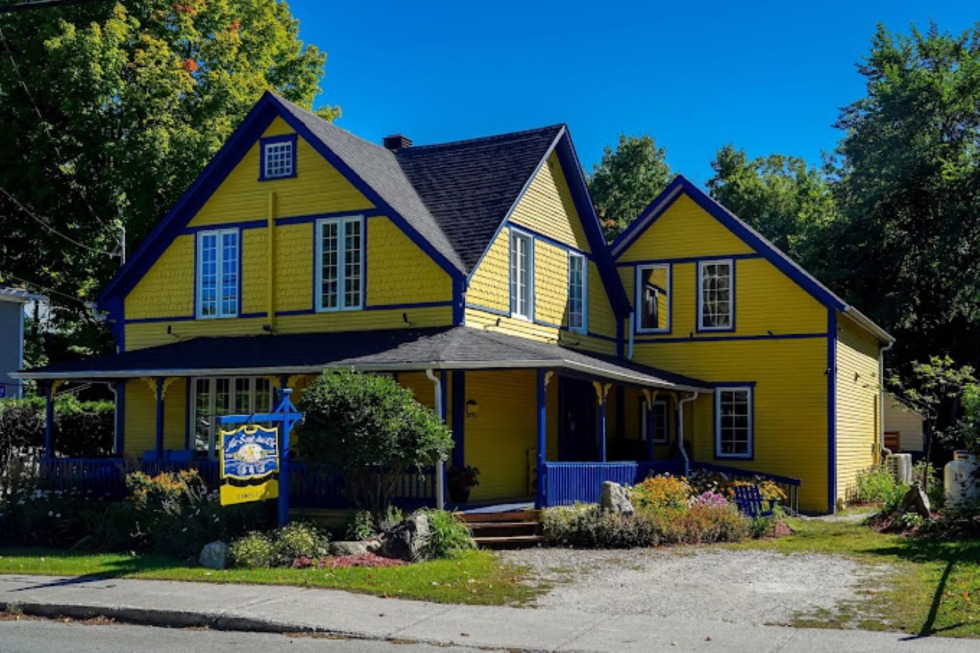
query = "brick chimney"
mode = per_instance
[{"x": 397, "y": 142}]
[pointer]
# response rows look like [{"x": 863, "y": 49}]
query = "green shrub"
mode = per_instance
[
  {"x": 253, "y": 551},
  {"x": 371, "y": 430},
  {"x": 362, "y": 526},
  {"x": 662, "y": 493},
  {"x": 592, "y": 527},
  {"x": 877, "y": 485},
  {"x": 297, "y": 540},
  {"x": 448, "y": 536},
  {"x": 706, "y": 524}
]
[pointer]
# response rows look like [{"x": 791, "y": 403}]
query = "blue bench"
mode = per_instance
[{"x": 750, "y": 502}]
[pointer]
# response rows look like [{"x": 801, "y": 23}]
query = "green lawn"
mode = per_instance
[
  {"x": 933, "y": 590},
  {"x": 477, "y": 577}
]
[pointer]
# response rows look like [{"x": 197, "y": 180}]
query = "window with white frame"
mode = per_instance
[
  {"x": 217, "y": 273},
  {"x": 733, "y": 422},
  {"x": 278, "y": 159},
  {"x": 578, "y": 293},
  {"x": 214, "y": 397},
  {"x": 659, "y": 420},
  {"x": 653, "y": 298},
  {"x": 715, "y": 299},
  {"x": 340, "y": 264},
  {"x": 521, "y": 275}
]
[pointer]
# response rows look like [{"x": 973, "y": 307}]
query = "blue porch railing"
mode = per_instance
[{"x": 309, "y": 487}]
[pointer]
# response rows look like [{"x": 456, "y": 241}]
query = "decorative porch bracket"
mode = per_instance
[{"x": 650, "y": 396}]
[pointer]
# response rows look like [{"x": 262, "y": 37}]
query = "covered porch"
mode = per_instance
[{"x": 542, "y": 422}]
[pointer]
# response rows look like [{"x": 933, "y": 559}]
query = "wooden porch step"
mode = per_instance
[
  {"x": 520, "y": 515},
  {"x": 509, "y": 541}
]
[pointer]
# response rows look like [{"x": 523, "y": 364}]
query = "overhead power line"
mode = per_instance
[
  {"x": 46, "y": 289},
  {"x": 43, "y": 4},
  {"x": 47, "y": 225}
]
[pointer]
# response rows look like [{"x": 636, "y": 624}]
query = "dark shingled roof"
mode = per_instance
[
  {"x": 455, "y": 194},
  {"x": 397, "y": 349}
]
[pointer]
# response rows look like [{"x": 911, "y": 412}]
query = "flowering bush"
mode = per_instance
[
  {"x": 703, "y": 480},
  {"x": 709, "y": 498},
  {"x": 662, "y": 493}
]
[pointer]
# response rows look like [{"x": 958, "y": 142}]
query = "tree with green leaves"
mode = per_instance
[
  {"x": 908, "y": 182},
  {"x": 110, "y": 110},
  {"x": 627, "y": 180},
  {"x": 371, "y": 430},
  {"x": 786, "y": 200}
]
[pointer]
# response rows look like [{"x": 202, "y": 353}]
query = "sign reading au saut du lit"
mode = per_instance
[{"x": 249, "y": 455}]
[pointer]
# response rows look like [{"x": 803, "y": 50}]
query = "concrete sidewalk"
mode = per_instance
[{"x": 292, "y": 609}]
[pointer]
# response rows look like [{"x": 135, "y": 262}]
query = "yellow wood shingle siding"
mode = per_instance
[
  {"x": 141, "y": 410},
  {"x": 547, "y": 207},
  {"x": 399, "y": 272},
  {"x": 489, "y": 285},
  {"x": 498, "y": 440},
  {"x": 255, "y": 270},
  {"x": 317, "y": 188},
  {"x": 550, "y": 284},
  {"x": 684, "y": 230},
  {"x": 294, "y": 267},
  {"x": 790, "y": 403},
  {"x": 858, "y": 394},
  {"x": 167, "y": 289}
]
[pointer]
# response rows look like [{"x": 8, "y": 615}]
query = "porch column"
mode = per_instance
[
  {"x": 602, "y": 395},
  {"x": 159, "y": 441},
  {"x": 49, "y": 420},
  {"x": 650, "y": 397},
  {"x": 459, "y": 418},
  {"x": 542, "y": 384},
  {"x": 119, "y": 390}
]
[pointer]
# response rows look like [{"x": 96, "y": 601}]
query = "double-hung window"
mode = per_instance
[
  {"x": 733, "y": 422},
  {"x": 658, "y": 421},
  {"x": 578, "y": 293},
  {"x": 653, "y": 298},
  {"x": 340, "y": 264},
  {"x": 521, "y": 275},
  {"x": 716, "y": 301},
  {"x": 214, "y": 397},
  {"x": 217, "y": 273}
]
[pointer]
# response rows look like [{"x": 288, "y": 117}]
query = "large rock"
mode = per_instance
[
  {"x": 916, "y": 501},
  {"x": 348, "y": 548},
  {"x": 616, "y": 498},
  {"x": 405, "y": 540},
  {"x": 214, "y": 555}
]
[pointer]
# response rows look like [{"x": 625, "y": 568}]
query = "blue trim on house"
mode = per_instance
[
  {"x": 117, "y": 322},
  {"x": 752, "y": 238},
  {"x": 215, "y": 172},
  {"x": 364, "y": 264},
  {"x": 689, "y": 259},
  {"x": 549, "y": 240},
  {"x": 271, "y": 140},
  {"x": 714, "y": 412},
  {"x": 303, "y": 311},
  {"x": 386, "y": 307},
  {"x": 831, "y": 410},
  {"x": 775, "y": 336},
  {"x": 313, "y": 217},
  {"x": 245, "y": 224},
  {"x": 239, "y": 298},
  {"x": 698, "y": 287},
  {"x": 459, "y": 417},
  {"x": 459, "y": 301}
]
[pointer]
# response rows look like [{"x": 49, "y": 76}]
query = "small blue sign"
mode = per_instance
[
  {"x": 3, "y": 390},
  {"x": 250, "y": 453}
]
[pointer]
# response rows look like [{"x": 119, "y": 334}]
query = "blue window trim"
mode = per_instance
[
  {"x": 197, "y": 274},
  {"x": 736, "y": 385},
  {"x": 699, "y": 328},
  {"x": 273, "y": 140},
  {"x": 637, "y": 273},
  {"x": 584, "y": 328},
  {"x": 529, "y": 239},
  {"x": 318, "y": 264}
]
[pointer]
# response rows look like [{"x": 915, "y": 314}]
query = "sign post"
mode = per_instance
[{"x": 255, "y": 459}]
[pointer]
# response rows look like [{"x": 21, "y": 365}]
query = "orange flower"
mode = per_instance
[{"x": 190, "y": 65}]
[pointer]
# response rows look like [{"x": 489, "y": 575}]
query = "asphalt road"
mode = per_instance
[{"x": 42, "y": 636}]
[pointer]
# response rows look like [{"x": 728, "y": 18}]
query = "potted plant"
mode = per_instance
[{"x": 459, "y": 482}]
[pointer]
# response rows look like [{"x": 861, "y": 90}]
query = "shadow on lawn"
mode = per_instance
[
  {"x": 118, "y": 566},
  {"x": 924, "y": 551}
]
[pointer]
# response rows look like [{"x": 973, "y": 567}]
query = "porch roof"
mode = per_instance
[{"x": 440, "y": 348}]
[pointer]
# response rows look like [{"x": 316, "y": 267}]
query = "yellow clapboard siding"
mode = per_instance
[
  {"x": 790, "y": 403},
  {"x": 499, "y": 438},
  {"x": 141, "y": 411},
  {"x": 858, "y": 393},
  {"x": 547, "y": 207},
  {"x": 317, "y": 188},
  {"x": 167, "y": 289},
  {"x": 684, "y": 230},
  {"x": 399, "y": 272},
  {"x": 514, "y": 326}
]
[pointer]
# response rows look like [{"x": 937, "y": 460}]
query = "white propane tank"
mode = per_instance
[{"x": 960, "y": 478}]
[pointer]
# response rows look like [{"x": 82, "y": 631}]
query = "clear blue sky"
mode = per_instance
[{"x": 765, "y": 76}]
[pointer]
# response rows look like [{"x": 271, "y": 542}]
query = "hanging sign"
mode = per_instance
[{"x": 249, "y": 462}]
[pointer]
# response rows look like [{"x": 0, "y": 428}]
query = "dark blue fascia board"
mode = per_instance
[
  {"x": 246, "y": 224},
  {"x": 459, "y": 301},
  {"x": 302, "y": 311},
  {"x": 354, "y": 179},
  {"x": 215, "y": 172},
  {"x": 689, "y": 259},
  {"x": 831, "y": 410},
  {"x": 116, "y": 310},
  {"x": 723, "y": 338},
  {"x": 574, "y": 175},
  {"x": 285, "y": 138},
  {"x": 549, "y": 240}
]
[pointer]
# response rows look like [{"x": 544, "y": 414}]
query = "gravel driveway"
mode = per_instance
[{"x": 758, "y": 587}]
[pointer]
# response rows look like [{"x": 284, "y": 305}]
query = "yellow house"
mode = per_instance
[{"x": 476, "y": 273}]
